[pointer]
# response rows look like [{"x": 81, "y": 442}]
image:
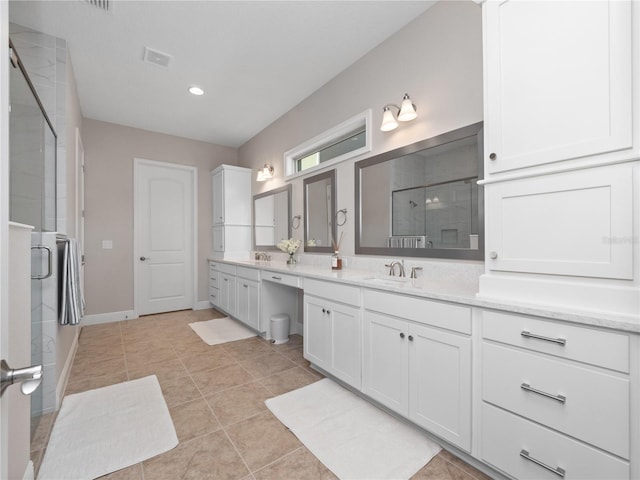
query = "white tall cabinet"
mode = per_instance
[
  {"x": 562, "y": 150},
  {"x": 562, "y": 199},
  {"x": 231, "y": 195}
]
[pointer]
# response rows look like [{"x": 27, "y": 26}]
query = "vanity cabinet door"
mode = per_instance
[
  {"x": 227, "y": 293},
  {"x": 332, "y": 337},
  {"x": 386, "y": 361},
  {"x": 248, "y": 293},
  {"x": 558, "y": 88},
  {"x": 316, "y": 332},
  {"x": 440, "y": 383},
  {"x": 217, "y": 186}
]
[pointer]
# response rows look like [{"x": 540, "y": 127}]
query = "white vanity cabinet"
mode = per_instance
[
  {"x": 417, "y": 362},
  {"x": 556, "y": 397},
  {"x": 227, "y": 288},
  {"x": 231, "y": 206},
  {"x": 332, "y": 329},
  {"x": 559, "y": 82},
  {"x": 248, "y": 295},
  {"x": 214, "y": 285}
]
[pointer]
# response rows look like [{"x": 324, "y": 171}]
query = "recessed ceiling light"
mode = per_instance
[{"x": 196, "y": 91}]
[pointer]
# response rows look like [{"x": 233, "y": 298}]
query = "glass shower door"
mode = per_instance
[{"x": 32, "y": 183}]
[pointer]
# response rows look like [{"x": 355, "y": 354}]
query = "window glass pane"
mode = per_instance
[{"x": 334, "y": 148}]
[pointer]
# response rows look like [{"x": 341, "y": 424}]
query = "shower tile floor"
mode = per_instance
[{"x": 215, "y": 395}]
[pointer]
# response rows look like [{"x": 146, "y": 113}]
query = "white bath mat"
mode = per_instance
[
  {"x": 104, "y": 430},
  {"x": 351, "y": 437},
  {"x": 221, "y": 330}
]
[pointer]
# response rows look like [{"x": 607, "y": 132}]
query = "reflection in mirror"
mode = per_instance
[
  {"x": 319, "y": 208},
  {"x": 271, "y": 213},
  {"x": 423, "y": 200}
]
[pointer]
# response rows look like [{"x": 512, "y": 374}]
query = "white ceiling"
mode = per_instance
[{"x": 255, "y": 60}]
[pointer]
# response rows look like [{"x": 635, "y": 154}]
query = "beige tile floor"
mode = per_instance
[{"x": 215, "y": 395}]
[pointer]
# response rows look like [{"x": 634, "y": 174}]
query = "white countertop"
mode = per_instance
[{"x": 449, "y": 291}]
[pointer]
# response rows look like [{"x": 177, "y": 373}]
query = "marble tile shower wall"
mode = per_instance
[{"x": 45, "y": 59}]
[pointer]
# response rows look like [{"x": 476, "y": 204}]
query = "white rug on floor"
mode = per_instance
[
  {"x": 221, "y": 330},
  {"x": 104, "y": 430},
  {"x": 351, "y": 437}
]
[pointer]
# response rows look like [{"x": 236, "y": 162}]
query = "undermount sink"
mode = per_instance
[{"x": 387, "y": 281}]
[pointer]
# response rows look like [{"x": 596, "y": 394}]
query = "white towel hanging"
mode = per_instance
[{"x": 72, "y": 300}]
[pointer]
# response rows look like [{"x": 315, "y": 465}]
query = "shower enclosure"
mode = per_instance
[{"x": 32, "y": 192}]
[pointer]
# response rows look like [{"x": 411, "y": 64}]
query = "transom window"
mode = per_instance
[{"x": 347, "y": 140}]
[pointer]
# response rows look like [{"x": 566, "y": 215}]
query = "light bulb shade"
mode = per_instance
[
  {"x": 389, "y": 122},
  {"x": 407, "y": 110},
  {"x": 265, "y": 173},
  {"x": 260, "y": 177}
]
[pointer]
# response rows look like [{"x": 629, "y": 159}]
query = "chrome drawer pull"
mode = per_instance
[
  {"x": 557, "y": 398},
  {"x": 276, "y": 278},
  {"x": 558, "y": 471},
  {"x": 559, "y": 341}
]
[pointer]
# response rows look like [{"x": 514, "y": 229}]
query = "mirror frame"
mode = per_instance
[
  {"x": 331, "y": 175},
  {"x": 475, "y": 129},
  {"x": 275, "y": 191}
]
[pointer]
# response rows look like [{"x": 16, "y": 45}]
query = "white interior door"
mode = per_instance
[{"x": 165, "y": 222}]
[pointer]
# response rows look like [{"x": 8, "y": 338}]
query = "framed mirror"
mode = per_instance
[
  {"x": 319, "y": 210},
  {"x": 423, "y": 200},
  {"x": 271, "y": 217}
]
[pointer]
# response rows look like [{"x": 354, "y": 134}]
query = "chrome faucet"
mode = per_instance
[
  {"x": 392, "y": 268},
  {"x": 262, "y": 256}
]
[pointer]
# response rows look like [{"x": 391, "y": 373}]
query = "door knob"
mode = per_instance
[
  {"x": 142, "y": 259},
  {"x": 29, "y": 378}
]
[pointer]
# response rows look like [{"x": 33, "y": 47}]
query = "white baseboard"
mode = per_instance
[
  {"x": 66, "y": 371},
  {"x": 203, "y": 305},
  {"x": 29, "y": 473},
  {"x": 108, "y": 317}
]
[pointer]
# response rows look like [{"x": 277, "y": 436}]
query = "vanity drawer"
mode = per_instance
[
  {"x": 596, "y": 347},
  {"x": 214, "y": 278},
  {"x": 283, "y": 278},
  {"x": 213, "y": 295},
  {"x": 506, "y": 437},
  {"x": 337, "y": 292},
  {"x": 226, "y": 268},
  {"x": 439, "y": 314},
  {"x": 248, "y": 273},
  {"x": 584, "y": 403}
]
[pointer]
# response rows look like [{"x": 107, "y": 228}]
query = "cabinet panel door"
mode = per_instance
[
  {"x": 386, "y": 363},
  {"x": 440, "y": 383},
  {"x": 575, "y": 223},
  {"x": 316, "y": 329},
  {"x": 251, "y": 294},
  {"x": 346, "y": 337},
  {"x": 217, "y": 186},
  {"x": 218, "y": 239},
  {"x": 557, "y": 88}
]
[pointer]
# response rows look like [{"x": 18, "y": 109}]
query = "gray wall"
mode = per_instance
[
  {"x": 109, "y": 153},
  {"x": 437, "y": 59}
]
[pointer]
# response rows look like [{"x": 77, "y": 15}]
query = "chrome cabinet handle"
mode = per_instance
[
  {"x": 411, "y": 338},
  {"x": 401, "y": 335},
  {"x": 557, "y": 398},
  {"x": 492, "y": 156},
  {"x": 493, "y": 255},
  {"x": 557, "y": 470},
  {"x": 276, "y": 278},
  {"x": 559, "y": 341},
  {"x": 142, "y": 259},
  {"x": 49, "y": 262}
]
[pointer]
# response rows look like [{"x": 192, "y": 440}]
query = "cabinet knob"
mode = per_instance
[
  {"x": 492, "y": 156},
  {"x": 411, "y": 338},
  {"x": 328, "y": 312},
  {"x": 324, "y": 311},
  {"x": 401, "y": 335},
  {"x": 493, "y": 255}
]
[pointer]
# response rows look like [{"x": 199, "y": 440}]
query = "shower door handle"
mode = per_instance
[
  {"x": 29, "y": 378},
  {"x": 49, "y": 262}
]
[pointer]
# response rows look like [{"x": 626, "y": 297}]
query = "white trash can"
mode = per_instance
[{"x": 280, "y": 328}]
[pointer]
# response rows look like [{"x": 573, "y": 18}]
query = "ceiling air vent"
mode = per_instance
[
  {"x": 101, "y": 4},
  {"x": 156, "y": 57}
]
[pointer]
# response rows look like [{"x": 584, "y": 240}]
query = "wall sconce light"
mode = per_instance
[
  {"x": 265, "y": 173},
  {"x": 406, "y": 112}
]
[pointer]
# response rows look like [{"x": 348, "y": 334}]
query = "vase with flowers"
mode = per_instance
[{"x": 289, "y": 246}]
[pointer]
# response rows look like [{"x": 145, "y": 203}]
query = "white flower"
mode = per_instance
[{"x": 289, "y": 246}]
